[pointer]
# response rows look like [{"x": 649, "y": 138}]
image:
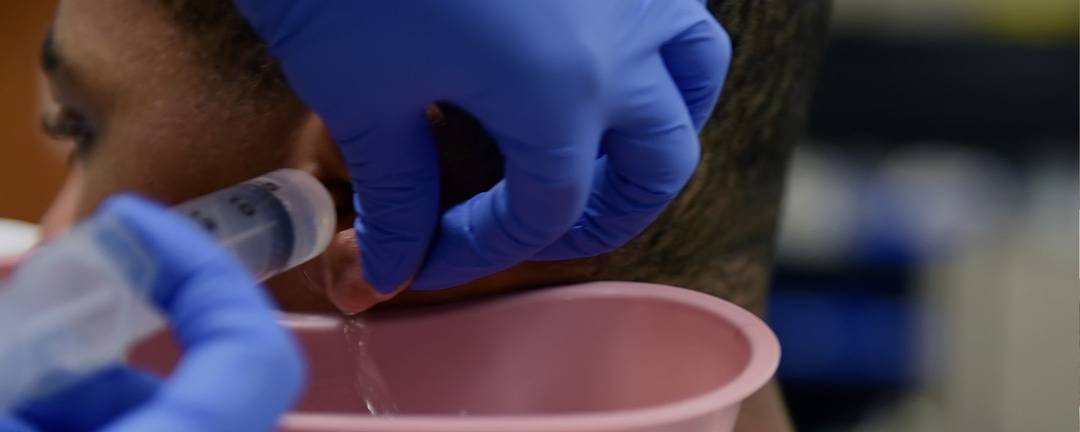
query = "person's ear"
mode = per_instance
[
  {"x": 316, "y": 153},
  {"x": 469, "y": 160},
  {"x": 334, "y": 278},
  {"x": 469, "y": 163}
]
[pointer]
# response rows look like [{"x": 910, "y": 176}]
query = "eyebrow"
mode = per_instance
[{"x": 49, "y": 56}]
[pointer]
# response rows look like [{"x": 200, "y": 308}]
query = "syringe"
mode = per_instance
[
  {"x": 272, "y": 222},
  {"x": 77, "y": 304}
]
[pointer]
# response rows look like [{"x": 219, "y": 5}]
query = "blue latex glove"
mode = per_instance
[
  {"x": 240, "y": 369},
  {"x": 556, "y": 83}
]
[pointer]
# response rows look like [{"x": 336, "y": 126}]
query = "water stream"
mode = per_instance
[{"x": 370, "y": 384}]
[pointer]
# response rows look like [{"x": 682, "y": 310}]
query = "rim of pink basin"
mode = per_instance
[{"x": 764, "y": 357}]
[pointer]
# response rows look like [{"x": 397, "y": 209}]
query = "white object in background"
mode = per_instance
[
  {"x": 1008, "y": 317},
  {"x": 16, "y": 237},
  {"x": 820, "y": 219}
]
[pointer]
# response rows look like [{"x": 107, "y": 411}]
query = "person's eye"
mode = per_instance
[{"x": 70, "y": 125}]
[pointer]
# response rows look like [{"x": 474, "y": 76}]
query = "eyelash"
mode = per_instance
[{"x": 68, "y": 124}]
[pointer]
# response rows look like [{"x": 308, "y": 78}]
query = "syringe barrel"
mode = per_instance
[
  {"x": 271, "y": 223},
  {"x": 72, "y": 308},
  {"x": 78, "y": 303}
]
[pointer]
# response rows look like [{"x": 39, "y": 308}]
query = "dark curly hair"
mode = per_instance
[{"x": 236, "y": 58}]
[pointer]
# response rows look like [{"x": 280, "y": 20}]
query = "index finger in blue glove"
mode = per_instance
[
  {"x": 240, "y": 369},
  {"x": 698, "y": 60},
  {"x": 395, "y": 179},
  {"x": 377, "y": 122},
  {"x": 649, "y": 156},
  {"x": 543, "y": 193}
]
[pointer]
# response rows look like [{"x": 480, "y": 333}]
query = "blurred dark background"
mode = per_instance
[{"x": 926, "y": 273}]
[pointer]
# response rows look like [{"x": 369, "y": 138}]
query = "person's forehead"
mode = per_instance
[{"x": 81, "y": 37}]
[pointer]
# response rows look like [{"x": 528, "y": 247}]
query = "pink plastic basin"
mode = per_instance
[{"x": 605, "y": 356}]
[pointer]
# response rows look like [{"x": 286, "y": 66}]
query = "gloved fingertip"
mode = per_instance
[
  {"x": 384, "y": 278},
  {"x": 387, "y": 261}
]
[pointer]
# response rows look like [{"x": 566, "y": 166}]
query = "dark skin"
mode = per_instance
[{"x": 139, "y": 110}]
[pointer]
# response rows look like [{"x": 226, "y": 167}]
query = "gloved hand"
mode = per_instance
[
  {"x": 240, "y": 369},
  {"x": 556, "y": 83}
]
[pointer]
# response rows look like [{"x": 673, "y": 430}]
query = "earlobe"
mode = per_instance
[
  {"x": 334, "y": 277},
  {"x": 347, "y": 289}
]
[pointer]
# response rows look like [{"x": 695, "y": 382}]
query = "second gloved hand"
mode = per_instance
[
  {"x": 240, "y": 369},
  {"x": 555, "y": 82}
]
